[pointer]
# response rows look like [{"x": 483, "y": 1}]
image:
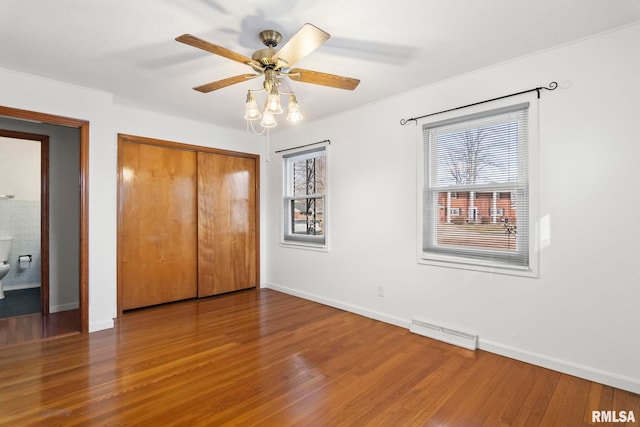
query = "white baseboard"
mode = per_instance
[
  {"x": 403, "y": 323},
  {"x": 564, "y": 366},
  {"x": 63, "y": 307},
  {"x": 99, "y": 326}
]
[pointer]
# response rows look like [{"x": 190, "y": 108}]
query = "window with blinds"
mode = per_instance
[
  {"x": 475, "y": 188},
  {"x": 305, "y": 192}
]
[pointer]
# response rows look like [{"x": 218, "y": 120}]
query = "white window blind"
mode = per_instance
[{"x": 476, "y": 188}]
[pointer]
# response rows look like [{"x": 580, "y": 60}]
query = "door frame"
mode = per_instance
[
  {"x": 83, "y": 126},
  {"x": 44, "y": 209},
  {"x": 164, "y": 143}
]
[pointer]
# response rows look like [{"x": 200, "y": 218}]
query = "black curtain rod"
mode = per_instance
[
  {"x": 552, "y": 86},
  {"x": 302, "y": 146}
]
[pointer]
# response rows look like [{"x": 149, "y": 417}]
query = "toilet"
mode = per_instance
[{"x": 5, "y": 246}]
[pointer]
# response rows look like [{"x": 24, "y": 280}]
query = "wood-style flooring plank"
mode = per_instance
[
  {"x": 33, "y": 327},
  {"x": 260, "y": 357}
]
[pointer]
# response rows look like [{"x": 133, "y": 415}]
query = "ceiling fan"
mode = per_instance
[{"x": 273, "y": 63}]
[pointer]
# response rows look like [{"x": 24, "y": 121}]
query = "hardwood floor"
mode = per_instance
[
  {"x": 260, "y": 357},
  {"x": 33, "y": 327}
]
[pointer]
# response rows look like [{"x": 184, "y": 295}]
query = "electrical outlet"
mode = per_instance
[{"x": 380, "y": 291}]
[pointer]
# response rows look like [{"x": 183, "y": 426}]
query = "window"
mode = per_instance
[
  {"x": 305, "y": 197},
  {"x": 484, "y": 160}
]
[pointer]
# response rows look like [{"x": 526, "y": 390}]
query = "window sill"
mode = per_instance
[
  {"x": 476, "y": 265},
  {"x": 309, "y": 246}
]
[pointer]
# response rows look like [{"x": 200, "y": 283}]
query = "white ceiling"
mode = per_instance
[{"x": 127, "y": 47}]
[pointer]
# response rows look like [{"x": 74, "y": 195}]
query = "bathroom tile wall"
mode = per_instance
[{"x": 20, "y": 219}]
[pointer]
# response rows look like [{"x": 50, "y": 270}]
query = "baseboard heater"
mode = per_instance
[{"x": 442, "y": 333}]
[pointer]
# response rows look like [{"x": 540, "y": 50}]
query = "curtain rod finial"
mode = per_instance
[{"x": 405, "y": 121}]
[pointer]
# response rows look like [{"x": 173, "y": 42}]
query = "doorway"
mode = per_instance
[
  {"x": 24, "y": 218},
  {"x": 79, "y": 319}
]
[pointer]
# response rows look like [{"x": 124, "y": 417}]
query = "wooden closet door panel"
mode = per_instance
[
  {"x": 227, "y": 232},
  {"x": 158, "y": 224}
]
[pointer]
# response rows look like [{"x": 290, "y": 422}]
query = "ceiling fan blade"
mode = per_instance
[
  {"x": 215, "y": 49},
  {"x": 324, "y": 79},
  {"x": 209, "y": 87},
  {"x": 306, "y": 40}
]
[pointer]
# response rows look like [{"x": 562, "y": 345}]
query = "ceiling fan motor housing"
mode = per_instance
[{"x": 265, "y": 57}]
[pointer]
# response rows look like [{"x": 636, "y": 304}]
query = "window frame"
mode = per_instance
[
  {"x": 302, "y": 241},
  {"x": 449, "y": 258}
]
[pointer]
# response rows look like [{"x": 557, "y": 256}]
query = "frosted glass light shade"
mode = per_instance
[
  {"x": 273, "y": 102},
  {"x": 293, "y": 111},
  {"x": 251, "y": 111},
  {"x": 268, "y": 120}
]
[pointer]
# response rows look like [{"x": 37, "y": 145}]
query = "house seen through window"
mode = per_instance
[{"x": 475, "y": 189}]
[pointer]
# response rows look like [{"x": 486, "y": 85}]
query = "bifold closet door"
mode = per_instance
[
  {"x": 158, "y": 203},
  {"x": 227, "y": 227}
]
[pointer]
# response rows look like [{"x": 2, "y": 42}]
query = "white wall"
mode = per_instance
[
  {"x": 581, "y": 315},
  {"x": 20, "y": 168},
  {"x": 64, "y": 217},
  {"x": 107, "y": 119}
]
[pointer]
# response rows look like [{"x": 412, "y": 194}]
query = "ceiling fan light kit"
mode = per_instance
[
  {"x": 273, "y": 105},
  {"x": 272, "y": 64}
]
